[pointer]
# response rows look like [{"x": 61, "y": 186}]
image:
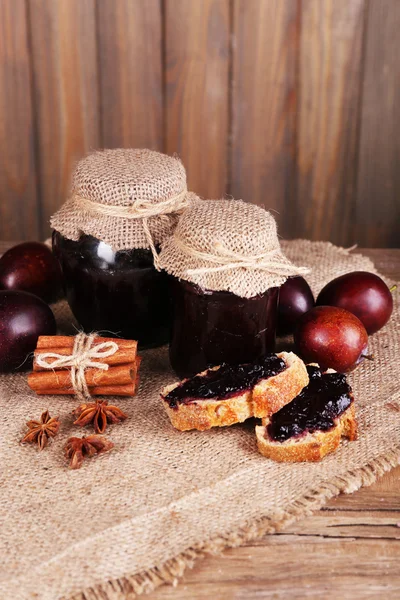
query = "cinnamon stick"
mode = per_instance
[
  {"x": 61, "y": 379},
  {"x": 51, "y": 342},
  {"x": 128, "y": 389},
  {"x": 106, "y": 390}
]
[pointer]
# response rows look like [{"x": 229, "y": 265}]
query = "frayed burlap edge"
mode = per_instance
[{"x": 171, "y": 570}]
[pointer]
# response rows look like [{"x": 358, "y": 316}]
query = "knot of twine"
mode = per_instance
[
  {"x": 271, "y": 261},
  {"x": 82, "y": 358},
  {"x": 140, "y": 209}
]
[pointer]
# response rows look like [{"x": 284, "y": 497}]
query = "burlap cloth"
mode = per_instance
[
  {"x": 134, "y": 518},
  {"x": 215, "y": 239},
  {"x": 134, "y": 180}
]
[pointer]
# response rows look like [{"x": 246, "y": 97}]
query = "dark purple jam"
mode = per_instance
[
  {"x": 316, "y": 408},
  {"x": 115, "y": 293},
  {"x": 226, "y": 382},
  {"x": 212, "y": 328}
]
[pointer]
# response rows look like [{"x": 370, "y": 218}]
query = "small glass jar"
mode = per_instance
[
  {"x": 116, "y": 293},
  {"x": 226, "y": 267},
  {"x": 210, "y": 328}
]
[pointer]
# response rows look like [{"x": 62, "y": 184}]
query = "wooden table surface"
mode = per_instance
[{"x": 349, "y": 549}]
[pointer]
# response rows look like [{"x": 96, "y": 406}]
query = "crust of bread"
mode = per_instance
[
  {"x": 267, "y": 397},
  {"x": 311, "y": 447},
  {"x": 272, "y": 394},
  {"x": 205, "y": 414}
]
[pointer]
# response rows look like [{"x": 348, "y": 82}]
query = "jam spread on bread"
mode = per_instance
[
  {"x": 316, "y": 408},
  {"x": 225, "y": 382}
]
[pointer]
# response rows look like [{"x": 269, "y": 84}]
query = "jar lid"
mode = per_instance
[
  {"x": 227, "y": 245},
  {"x": 127, "y": 198}
]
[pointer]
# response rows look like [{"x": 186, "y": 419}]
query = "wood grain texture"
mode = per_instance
[
  {"x": 65, "y": 85},
  {"x": 378, "y": 191},
  {"x": 197, "y": 84},
  {"x": 382, "y": 496},
  {"x": 295, "y": 567},
  {"x": 130, "y": 57},
  {"x": 290, "y": 104},
  {"x": 19, "y": 214},
  {"x": 264, "y": 100},
  {"x": 364, "y": 524},
  {"x": 327, "y": 134}
]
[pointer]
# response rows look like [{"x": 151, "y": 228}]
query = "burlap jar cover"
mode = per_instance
[
  {"x": 136, "y": 517},
  {"x": 227, "y": 245},
  {"x": 127, "y": 198}
]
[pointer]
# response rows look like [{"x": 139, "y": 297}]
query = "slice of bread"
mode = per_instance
[
  {"x": 270, "y": 395},
  {"x": 266, "y": 397},
  {"x": 311, "y": 446}
]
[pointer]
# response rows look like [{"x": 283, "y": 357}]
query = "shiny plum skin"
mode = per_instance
[
  {"x": 295, "y": 299},
  {"x": 31, "y": 267},
  {"x": 23, "y": 317},
  {"x": 362, "y": 293},
  {"x": 332, "y": 337}
]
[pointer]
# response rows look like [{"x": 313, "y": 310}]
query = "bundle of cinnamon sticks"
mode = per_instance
[{"x": 120, "y": 379}]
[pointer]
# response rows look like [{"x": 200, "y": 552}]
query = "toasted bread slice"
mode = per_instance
[
  {"x": 266, "y": 397},
  {"x": 311, "y": 446},
  {"x": 270, "y": 395}
]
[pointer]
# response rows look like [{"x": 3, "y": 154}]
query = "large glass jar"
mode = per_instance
[
  {"x": 210, "y": 328},
  {"x": 116, "y": 293},
  {"x": 122, "y": 205}
]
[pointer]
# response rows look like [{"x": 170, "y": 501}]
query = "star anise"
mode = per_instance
[
  {"x": 100, "y": 413},
  {"x": 40, "y": 431},
  {"x": 77, "y": 449}
]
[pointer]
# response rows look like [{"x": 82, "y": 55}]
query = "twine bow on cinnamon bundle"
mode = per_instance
[{"x": 85, "y": 366}]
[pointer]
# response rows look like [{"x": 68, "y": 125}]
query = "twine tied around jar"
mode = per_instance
[
  {"x": 140, "y": 209},
  {"x": 82, "y": 358},
  {"x": 226, "y": 260}
]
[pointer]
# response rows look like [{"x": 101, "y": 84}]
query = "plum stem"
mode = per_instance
[
  {"x": 393, "y": 288},
  {"x": 368, "y": 356}
]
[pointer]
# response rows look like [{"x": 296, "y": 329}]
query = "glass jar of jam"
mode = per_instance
[
  {"x": 211, "y": 328},
  {"x": 123, "y": 204},
  {"x": 116, "y": 293},
  {"x": 226, "y": 267}
]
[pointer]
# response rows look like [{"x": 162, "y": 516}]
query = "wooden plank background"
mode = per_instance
[{"x": 290, "y": 104}]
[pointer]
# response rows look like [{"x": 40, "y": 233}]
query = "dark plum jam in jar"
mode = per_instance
[
  {"x": 316, "y": 408},
  {"x": 227, "y": 266},
  {"x": 211, "y": 327},
  {"x": 116, "y": 293}
]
